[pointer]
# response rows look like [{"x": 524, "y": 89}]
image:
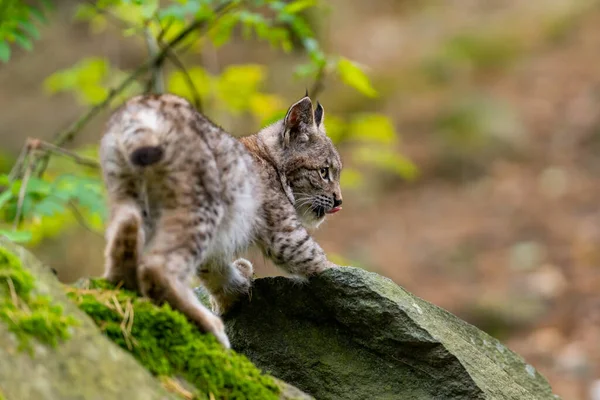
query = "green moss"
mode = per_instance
[
  {"x": 169, "y": 346},
  {"x": 28, "y": 314}
]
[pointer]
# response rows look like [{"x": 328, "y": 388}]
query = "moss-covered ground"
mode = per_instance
[
  {"x": 171, "y": 347},
  {"x": 28, "y": 314}
]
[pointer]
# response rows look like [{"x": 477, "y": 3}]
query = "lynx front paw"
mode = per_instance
[
  {"x": 244, "y": 267},
  {"x": 217, "y": 329}
]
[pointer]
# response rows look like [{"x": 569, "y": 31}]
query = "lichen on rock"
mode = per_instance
[
  {"x": 168, "y": 345},
  {"x": 27, "y": 314}
]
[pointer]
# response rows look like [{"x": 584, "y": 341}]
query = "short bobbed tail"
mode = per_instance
[{"x": 146, "y": 155}]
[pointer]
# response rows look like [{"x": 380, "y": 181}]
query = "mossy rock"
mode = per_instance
[
  {"x": 170, "y": 347},
  {"x": 146, "y": 352},
  {"x": 79, "y": 364},
  {"x": 352, "y": 334}
]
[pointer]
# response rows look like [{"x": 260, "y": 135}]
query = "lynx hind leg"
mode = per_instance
[
  {"x": 125, "y": 242},
  {"x": 159, "y": 281},
  {"x": 227, "y": 283}
]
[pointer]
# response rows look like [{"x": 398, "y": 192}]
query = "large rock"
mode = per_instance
[
  {"x": 51, "y": 350},
  {"x": 85, "y": 366},
  {"x": 351, "y": 334}
]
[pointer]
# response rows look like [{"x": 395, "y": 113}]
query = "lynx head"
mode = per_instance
[{"x": 312, "y": 165}]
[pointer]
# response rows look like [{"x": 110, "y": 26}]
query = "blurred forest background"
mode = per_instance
[{"x": 470, "y": 133}]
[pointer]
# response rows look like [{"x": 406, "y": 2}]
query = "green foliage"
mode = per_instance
[
  {"x": 17, "y": 24},
  {"x": 372, "y": 142},
  {"x": 353, "y": 76},
  {"x": 168, "y": 345},
  {"x": 50, "y": 204},
  {"x": 58, "y": 200},
  {"x": 27, "y": 314},
  {"x": 90, "y": 80}
]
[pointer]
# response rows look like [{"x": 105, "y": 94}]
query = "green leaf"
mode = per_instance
[
  {"x": 299, "y": 5},
  {"x": 373, "y": 128},
  {"x": 5, "y": 197},
  {"x": 221, "y": 33},
  {"x": 30, "y": 28},
  {"x": 85, "y": 12},
  {"x": 39, "y": 186},
  {"x": 17, "y": 236},
  {"x": 178, "y": 83},
  {"x": 48, "y": 207},
  {"x": 23, "y": 41},
  {"x": 238, "y": 83},
  {"x": 36, "y": 13},
  {"x": 4, "y": 51},
  {"x": 353, "y": 76},
  {"x": 93, "y": 94},
  {"x": 149, "y": 7},
  {"x": 387, "y": 160},
  {"x": 4, "y": 180},
  {"x": 92, "y": 70},
  {"x": 179, "y": 11}
]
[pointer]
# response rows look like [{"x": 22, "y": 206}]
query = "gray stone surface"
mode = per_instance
[
  {"x": 88, "y": 366},
  {"x": 351, "y": 334}
]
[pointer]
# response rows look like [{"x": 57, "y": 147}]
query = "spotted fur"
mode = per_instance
[{"x": 185, "y": 197}]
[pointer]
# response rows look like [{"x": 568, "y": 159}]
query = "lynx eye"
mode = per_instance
[{"x": 324, "y": 172}]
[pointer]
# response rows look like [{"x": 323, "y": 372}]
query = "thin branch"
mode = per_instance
[
  {"x": 18, "y": 167},
  {"x": 163, "y": 30},
  {"x": 319, "y": 83},
  {"x": 157, "y": 82},
  {"x": 196, "y": 99},
  {"x": 80, "y": 218},
  {"x": 65, "y": 136},
  {"x": 68, "y": 134},
  {"x": 23, "y": 189},
  {"x": 123, "y": 24},
  {"x": 49, "y": 147}
]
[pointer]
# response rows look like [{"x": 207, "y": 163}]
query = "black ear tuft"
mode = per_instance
[
  {"x": 319, "y": 112},
  {"x": 306, "y": 95}
]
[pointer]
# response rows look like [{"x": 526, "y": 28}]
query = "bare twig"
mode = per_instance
[
  {"x": 23, "y": 188},
  {"x": 157, "y": 83},
  {"x": 49, "y": 147},
  {"x": 17, "y": 168},
  {"x": 196, "y": 99},
  {"x": 164, "y": 30},
  {"x": 319, "y": 83},
  {"x": 80, "y": 218},
  {"x": 28, "y": 157}
]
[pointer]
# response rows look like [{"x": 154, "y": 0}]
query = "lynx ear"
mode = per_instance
[
  {"x": 298, "y": 120},
  {"x": 319, "y": 114}
]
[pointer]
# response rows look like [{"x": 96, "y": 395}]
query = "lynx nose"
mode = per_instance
[{"x": 337, "y": 202}]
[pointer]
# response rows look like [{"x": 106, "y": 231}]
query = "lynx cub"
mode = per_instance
[{"x": 187, "y": 197}]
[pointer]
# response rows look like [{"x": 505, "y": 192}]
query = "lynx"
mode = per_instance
[{"x": 186, "y": 197}]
